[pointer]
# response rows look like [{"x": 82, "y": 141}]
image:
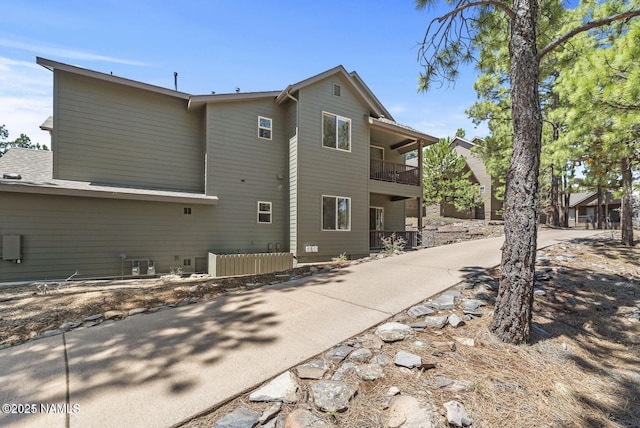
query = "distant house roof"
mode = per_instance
[
  {"x": 35, "y": 171},
  {"x": 590, "y": 199},
  {"x": 47, "y": 125}
]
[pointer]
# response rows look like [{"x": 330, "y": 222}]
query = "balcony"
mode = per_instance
[{"x": 394, "y": 172}]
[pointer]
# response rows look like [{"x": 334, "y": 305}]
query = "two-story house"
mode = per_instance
[{"x": 148, "y": 176}]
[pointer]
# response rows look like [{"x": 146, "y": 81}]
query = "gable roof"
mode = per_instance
[
  {"x": 360, "y": 89},
  {"x": 54, "y": 65}
]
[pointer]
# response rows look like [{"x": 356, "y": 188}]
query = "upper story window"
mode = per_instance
[
  {"x": 264, "y": 212},
  {"x": 264, "y": 127},
  {"x": 336, "y": 213},
  {"x": 336, "y": 132}
]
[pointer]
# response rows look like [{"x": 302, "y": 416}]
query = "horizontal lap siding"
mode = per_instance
[
  {"x": 61, "y": 234},
  {"x": 243, "y": 169},
  {"x": 323, "y": 171},
  {"x": 108, "y": 133}
]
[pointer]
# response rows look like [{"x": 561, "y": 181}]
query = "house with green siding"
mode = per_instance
[{"x": 145, "y": 177}]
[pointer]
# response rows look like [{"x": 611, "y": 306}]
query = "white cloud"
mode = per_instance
[
  {"x": 25, "y": 99},
  {"x": 63, "y": 52}
]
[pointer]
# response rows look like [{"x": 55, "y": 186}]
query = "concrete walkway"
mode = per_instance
[{"x": 160, "y": 369}]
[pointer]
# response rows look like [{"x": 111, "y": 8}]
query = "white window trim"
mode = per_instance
[
  {"x": 270, "y": 212},
  {"x": 338, "y": 118},
  {"x": 322, "y": 213},
  {"x": 270, "y": 129}
]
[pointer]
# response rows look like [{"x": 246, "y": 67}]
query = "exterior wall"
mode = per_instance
[
  {"x": 243, "y": 169},
  {"x": 62, "y": 234},
  {"x": 108, "y": 133},
  {"x": 324, "y": 171},
  {"x": 394, "y": 211}
]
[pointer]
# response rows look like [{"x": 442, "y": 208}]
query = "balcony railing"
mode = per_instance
[
  {"x": 375, "y": 238},
  {"x": 394, "y": 172}
]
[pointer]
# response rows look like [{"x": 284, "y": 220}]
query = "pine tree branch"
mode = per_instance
[
  {"x": 497, "y": 4},
  {"x": 586, "y": 27}
]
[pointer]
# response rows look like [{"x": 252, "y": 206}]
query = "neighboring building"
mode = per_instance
[
  {"x": 583, "y": 210},
  {"x": 143, "y": 175},
  {"x": 490, "y": 208}
]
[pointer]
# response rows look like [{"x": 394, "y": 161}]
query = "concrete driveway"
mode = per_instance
[{"x": 160, "y": 369}]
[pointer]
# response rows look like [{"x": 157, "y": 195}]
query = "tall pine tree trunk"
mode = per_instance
[
  {"x": 512, "y": 317},
  {"x": 555, "y": 207},
  {"x": 627, "y": 203}
]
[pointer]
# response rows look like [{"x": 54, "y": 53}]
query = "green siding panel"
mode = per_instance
[{"x": 107, "y": 133}]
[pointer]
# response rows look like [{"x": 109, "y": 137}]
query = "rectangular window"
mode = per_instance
[
  {"x": 482, "y": 190},
  {"x": 264, "y": 212},
  {"x": 336, "y": 213},
  {"x": 336, "y": 132},
  {"x": 264, "y": 127}
]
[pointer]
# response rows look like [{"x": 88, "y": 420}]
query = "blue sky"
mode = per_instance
[{"x": 219, "y": 45}]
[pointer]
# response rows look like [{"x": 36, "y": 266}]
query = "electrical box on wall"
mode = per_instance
[{"x": 12, "y": 247}]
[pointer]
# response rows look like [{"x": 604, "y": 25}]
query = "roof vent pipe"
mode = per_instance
[{"x": 175, "y": 79}]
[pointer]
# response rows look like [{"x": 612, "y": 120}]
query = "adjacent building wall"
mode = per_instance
[
  {"x": 114, "y": 134},
  {"x": 324, "y": 171},
  {"x": 62, "y": 234},
  {"x": 243, "y": 169}
]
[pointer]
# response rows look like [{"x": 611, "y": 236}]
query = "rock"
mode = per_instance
[
  {"x": 382, "y": 359},
  {"x": 194, "y": 288},
  {"x": 407, "y": 359},
  {"x": 70, "y": 325},
  {"x": 394, "y": 390},
  {"x": 302, "y": 418},
  {"x": 332, "y": 395},
  {"x": 370, "y": 371},
  {"x": 93, "y": 317},
  {"x": 460, "y": 386},
  {"x": 50, "y": 333},
  {"x": 444, "y": 301},
  {"x": 472, "y": 304},
  {"x": 283, "y": 388},
  {"x": 394, "y": 331},
  {"x": 270, "y": 413},
  {"x": 419, "y": 311},
  {"x": 457, "y": 414},
  {"x": 436, "y": 321},
  {"x": 455, "y": 321},
  {"x": 137, "y": 311},
  {"x": 407, "y": 412},
  {"x": 444, "y": 346},
  {"x": 192, "y": 300},
  {"x": 361, "y": 355},
  {"x": 338, "y": 354},
  {"x": 344, "y": 368},
  {"x": 370, "y": 341},
  {"x": 419, "y": 326},
  {"x": 466, "y": 341},
  {"x": 314, "y": 369},
  {"x": 114, "y": 314},
  {"x": 441, "y": 382},
  {"x": 539, "y": 292},
  {"x": 239, "y": 418},
  {"x": 473, "y": 312}
]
